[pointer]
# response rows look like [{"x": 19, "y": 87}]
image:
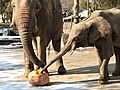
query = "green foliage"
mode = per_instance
[
  {"x": 83, "y": 5},
  {"x": 99, "y": 4},
  {"x": 8, "y": 11},
  {"x": 95, "y": 4},
  {"x": 5, "y": 10}
]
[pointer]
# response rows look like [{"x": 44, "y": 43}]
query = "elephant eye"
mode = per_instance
[
  {"x": 76, "y": 38},
  {"x": 37, "y": 8},
  {"x": 13, "y": 5}
]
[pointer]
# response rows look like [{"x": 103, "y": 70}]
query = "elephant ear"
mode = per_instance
[
  {"x": 100, "y": 28},
  {"x": 38, "y": 6},
  {"x": 93, "y": 34}
]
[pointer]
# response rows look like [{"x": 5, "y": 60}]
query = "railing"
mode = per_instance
[{"x": 9, "y": 39}]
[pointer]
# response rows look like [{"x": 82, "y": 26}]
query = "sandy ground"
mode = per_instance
[
  {"x": 82, "y": 67},
  {"x": 82, "y": 72}
]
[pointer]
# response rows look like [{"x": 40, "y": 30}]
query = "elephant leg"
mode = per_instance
[
  {"x": 104, "y": 76},
  {"x": 41, "y": 50},
  {"x": 100, "y": 63},
  {"x": 59, "y": 63},
  {"x": 103, "y": 62},
  {"x": 28, "y": 66},
  {"x": 117, "y": 66}
]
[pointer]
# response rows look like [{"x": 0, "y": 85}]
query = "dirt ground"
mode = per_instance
[
  {"x": 83, "y": 67},
  {"x": 82, "y": 71}
]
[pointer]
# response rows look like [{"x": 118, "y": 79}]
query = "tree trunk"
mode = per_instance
[
  {"x": 76, "y": 11},
  {"x": 3, "y": 18}
]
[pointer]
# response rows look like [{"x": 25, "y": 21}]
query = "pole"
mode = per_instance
[
  {"x": 94, "y": 5},
  {"x": 0, "y": 6},
  {"x": 76, "y": 11},
  {"x": 88, "y": 7}
]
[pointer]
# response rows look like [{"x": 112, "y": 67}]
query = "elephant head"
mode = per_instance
[
  {"x": 83, "y": 34},
  {"x": 25, "y": 19}
]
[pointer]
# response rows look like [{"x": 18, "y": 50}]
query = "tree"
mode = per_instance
[
  {"x": 8, "y": 12},
  {"x": 5, "y": 10},
  {"x": 67, "y": 5},
  {"x": 98, "y": 4},
  {"x": 76, "y": 11},
  {"x": 0, "y": 7}
]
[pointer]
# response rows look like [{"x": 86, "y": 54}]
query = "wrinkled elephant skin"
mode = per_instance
[
  {"x": 40, "y": 21},
  {"x": 102, "y": 30}
]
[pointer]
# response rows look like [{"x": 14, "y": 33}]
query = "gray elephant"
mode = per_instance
[
  {"x": 102, "y": 30},
  {"x": 40, "y": 21}
]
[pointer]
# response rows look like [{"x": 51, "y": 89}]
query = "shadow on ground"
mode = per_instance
[
  {"x": 93, "y": 82},
  {"x": 85, "y": 70}
]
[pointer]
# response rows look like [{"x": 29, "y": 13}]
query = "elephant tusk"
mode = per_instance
[
  {"x": 73, "y": 48},
  {"x": 35, "y": 67},
  {"x": 49, "y": 49},
  {"x": 72, "y": 51},
  {"x": 12, "y": 24},
  {"x": 36, "y": 27}
]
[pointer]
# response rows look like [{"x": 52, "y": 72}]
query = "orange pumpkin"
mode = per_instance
[{"x": 36, "y": 78}]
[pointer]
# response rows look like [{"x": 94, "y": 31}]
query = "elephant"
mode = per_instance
[
  {"x": 101, "y": 30},
  {"x": 38, "y": 21}
]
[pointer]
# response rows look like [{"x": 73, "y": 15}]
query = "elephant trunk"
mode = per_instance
[
  {"x": 24, "y": 26},
  {"x": 66, "y": 48}
]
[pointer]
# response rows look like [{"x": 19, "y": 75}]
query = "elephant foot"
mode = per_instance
[
  {"x": 26, "y": 74},
  {"x": 24, "y": 77},
  {"x": 116, "y": 73},
  {"x": 104, "y": 79},
  {"x": 27, "y": 71},
  {"x": 108, "y": 77},
  {"x": 61, "y": 70},
  {"x": 101, "y": 81}
]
